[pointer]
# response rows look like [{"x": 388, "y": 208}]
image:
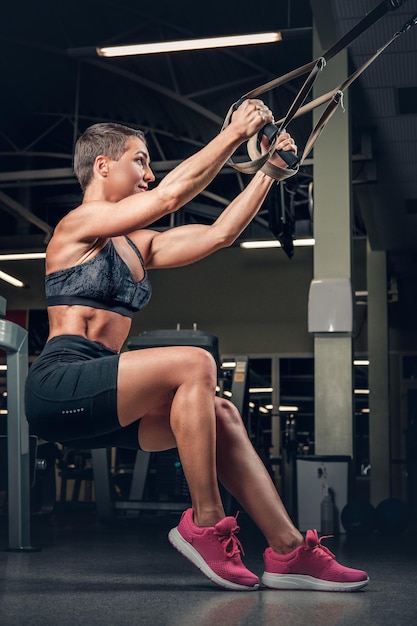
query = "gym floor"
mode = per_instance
[{"x": 88, "y": 572}]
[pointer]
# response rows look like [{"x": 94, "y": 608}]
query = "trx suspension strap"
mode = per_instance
[{"x": 260, "y": 161}]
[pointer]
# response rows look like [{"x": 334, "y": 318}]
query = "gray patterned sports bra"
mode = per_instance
[{"x": 105, "y": 282}]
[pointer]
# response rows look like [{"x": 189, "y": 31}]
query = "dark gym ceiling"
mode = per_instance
[{"x": 180, "y": 99}]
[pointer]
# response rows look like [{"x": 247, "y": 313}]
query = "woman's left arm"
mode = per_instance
[{"x": 184, "y": 245}]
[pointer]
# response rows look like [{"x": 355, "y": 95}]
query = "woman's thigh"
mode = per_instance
[{"x": 149, "y": 378}]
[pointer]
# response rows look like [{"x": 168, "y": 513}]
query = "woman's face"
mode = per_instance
[{"x": 131, "y": 173}]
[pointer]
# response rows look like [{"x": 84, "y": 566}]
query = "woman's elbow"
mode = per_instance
[
  {"x": 225, "y": 240},
  {"x": 170, "y": 197},
  {"x": 231, "y": 240}
]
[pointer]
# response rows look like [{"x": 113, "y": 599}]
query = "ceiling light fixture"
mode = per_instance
[
  {"x": 22, "y": 256},
  {"x": 260, "y": 390},
  {"x": 272, "y": 243},
  {"x": 11, "y": 280},
  {"x": 188, "y": 44}
]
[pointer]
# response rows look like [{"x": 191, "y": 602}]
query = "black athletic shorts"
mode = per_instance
[{"x": 71, "y": 395}]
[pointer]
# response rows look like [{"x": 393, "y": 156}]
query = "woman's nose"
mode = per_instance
[{"x": 149, "y": 175}]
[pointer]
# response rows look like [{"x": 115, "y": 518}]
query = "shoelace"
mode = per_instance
[
  {"x": 230, "y": 542},
  {"x": 317, "y": 545}
]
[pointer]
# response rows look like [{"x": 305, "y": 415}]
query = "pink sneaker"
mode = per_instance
[
  {"x": 311, "y": 566},
  {"x": 215, "y": 550}
]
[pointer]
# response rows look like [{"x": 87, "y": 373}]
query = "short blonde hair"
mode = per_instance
[{"x": 109, "y": 139}]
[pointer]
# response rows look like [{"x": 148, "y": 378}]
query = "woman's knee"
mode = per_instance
[
  {"x": 228, "y": 415},
  {"x": 199, "y": 362}
]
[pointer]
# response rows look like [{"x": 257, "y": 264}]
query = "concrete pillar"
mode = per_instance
[
  {"x": 378, "y": 377},
  {"x": 332, "y": 253}
]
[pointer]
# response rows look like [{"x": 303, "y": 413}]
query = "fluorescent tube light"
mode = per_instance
[
  {"x": 272, "y": 243},
  {"x": 11, "y": 280},
  {"x": 22, "y": 256},
  {"x": 189, "y": 44},
  {"x": 361, "y": 362}
]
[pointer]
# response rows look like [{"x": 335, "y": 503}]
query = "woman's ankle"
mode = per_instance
[
  {"x": 287, "y": 542},
  {"x": 208, "y": 517}
]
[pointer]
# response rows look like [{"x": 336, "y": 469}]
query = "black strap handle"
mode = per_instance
[{"x": 270, "y": 131}]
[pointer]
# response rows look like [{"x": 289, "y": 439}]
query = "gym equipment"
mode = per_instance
[
  {"x": 33, "y": 445},
  {"x": 327, "y": 512},
  {"x": 43, "y": 485},
  {"x": 334, "y": 98},
  {"x": 315, "y": 474},
  {"x": 14, "y": 341},
  {"x": 179, "y": 337},
  {"x": 288, "y": 465},
  {"x": 392, "y": 516},
  {"x": 136, "y": 488},
  {"x": 358, "y": 518},
  {"x": 75, "y": 465}
]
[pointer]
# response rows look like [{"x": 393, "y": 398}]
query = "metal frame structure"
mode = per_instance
[{"x": 14, "y": 340}]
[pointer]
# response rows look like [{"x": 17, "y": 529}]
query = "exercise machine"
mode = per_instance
[{"x": 14, "y": 341}]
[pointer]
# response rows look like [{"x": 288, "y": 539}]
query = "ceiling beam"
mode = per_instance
[
  {"x": 14, "y": 207},
  {"x": 150, "y": 84},
  {"x": 67, "y": 172}
]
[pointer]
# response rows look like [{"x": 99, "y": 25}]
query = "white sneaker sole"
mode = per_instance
[
  {"x": 308, "y": 583},
  {"x": 196, "y": 559}
]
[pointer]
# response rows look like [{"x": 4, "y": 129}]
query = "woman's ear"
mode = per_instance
[{"x": 101, "y": 165}]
